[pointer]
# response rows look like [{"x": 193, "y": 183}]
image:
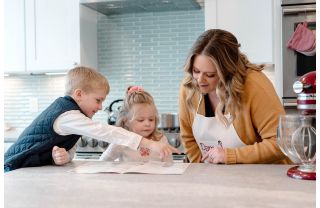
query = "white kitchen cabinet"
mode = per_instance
[
  {"x": 14, "y": 34},
  {"x": 59, "y": 34},
  {"x": 251, "y": 21}
]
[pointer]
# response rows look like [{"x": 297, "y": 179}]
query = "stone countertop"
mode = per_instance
[{"x": 202, "y": 185}]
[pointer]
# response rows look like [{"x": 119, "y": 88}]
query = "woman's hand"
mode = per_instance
[
  {"x": 60, "y": 156},
  {"x": 164, "y": 150},
  {"x": 214, "y": 155}
]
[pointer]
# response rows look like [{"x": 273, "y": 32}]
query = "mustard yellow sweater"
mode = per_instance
[{"x": 256, "y": 125}]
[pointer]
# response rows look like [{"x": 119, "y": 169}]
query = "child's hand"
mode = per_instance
[
  {"x": 60, "y": 156},
  {"x": 164, "y": 150}
]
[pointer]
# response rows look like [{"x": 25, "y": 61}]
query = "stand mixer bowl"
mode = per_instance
[{"x": 296, "y": 138}]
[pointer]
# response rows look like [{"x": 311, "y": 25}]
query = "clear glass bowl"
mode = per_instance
[{"x": 296, "y": 138}]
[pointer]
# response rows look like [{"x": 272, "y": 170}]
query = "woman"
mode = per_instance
[{"x": 229, "y": 109}]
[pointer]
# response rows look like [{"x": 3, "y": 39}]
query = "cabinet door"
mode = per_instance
[
  {"x": 14, "y": 50},
  {"x": 52, "y": 34},
  {"x": 249, "y": 20}
]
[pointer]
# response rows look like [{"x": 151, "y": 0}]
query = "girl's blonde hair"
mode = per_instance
[
  {"x": 136, "y": 95},
  {"x": 232, "y": 66},
  {"x": 86, "y": 79}
]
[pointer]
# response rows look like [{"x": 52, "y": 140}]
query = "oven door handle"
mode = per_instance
[
  {"x": 298, "y": 10},
  {"x": 287, "y": 104}
]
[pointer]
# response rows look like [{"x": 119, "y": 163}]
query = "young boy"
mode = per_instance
[{"x": 51, "y": 137}]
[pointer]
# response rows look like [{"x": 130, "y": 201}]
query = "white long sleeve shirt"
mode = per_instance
[{"x": 75, "y": 122}]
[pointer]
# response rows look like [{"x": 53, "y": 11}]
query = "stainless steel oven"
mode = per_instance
[{"x": 295, "y": 64}]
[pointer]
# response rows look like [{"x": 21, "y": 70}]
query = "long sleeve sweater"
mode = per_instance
[{"x": 256, "y": 125}]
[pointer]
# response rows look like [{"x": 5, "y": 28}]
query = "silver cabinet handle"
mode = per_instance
[{"x": 298, "y": 10}]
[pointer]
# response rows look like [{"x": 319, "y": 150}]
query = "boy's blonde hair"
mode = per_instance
[
  {"x": 133, "y": 97},
  {"x": 86, "y": 79}
]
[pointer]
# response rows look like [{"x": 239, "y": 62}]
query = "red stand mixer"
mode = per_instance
[
  {"x": 297, "y": 133},
  {"x": 305, "y": 88}
]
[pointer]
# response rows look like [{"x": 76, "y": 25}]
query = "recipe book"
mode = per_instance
[{"x": 151, "y": 167}]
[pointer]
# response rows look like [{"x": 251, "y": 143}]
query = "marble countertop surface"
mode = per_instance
[{"x": 202, "y": 185}]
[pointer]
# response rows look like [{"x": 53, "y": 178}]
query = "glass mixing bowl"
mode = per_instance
[{"x": 296, "y": 138}]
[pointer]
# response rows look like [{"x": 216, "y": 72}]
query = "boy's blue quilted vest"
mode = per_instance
[{"x": 34, "y": 145}]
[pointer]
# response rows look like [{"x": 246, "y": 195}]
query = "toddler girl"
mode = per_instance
[{"x": 138, "y": 114}]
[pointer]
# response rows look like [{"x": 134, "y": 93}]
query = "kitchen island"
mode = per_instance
[{"x": 202, "y": 185}]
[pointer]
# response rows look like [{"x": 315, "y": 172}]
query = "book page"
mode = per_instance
[
  {"x": 156, "y": 167},
  {"x": 151, "y": 167}
]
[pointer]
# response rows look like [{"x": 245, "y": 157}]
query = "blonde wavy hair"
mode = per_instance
[
  {"x": 86, "y": 79},
  {"x": 232, "y": 66},
  {"x": 133, "y": 97}
]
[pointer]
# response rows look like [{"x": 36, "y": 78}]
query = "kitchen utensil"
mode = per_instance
[
  {"x": 297, "y": 140},
  {"x": 169, "y": 121},
  {"x": 297, "y": 134},
  {"x": 112, "y": 112},
  {"x": 305, "y": 88}
]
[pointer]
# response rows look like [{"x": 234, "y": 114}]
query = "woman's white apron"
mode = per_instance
[{"x": 209, "y": 132}]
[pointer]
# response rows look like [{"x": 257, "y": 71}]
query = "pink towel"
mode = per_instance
[
  {"x": 312, "y": 50},
  {"x": 302, "y": 39}
]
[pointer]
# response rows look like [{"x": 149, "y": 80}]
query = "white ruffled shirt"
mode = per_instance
[{"x": 75, "y": 122}]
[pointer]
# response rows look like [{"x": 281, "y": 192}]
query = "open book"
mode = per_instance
[{"x": 151, "y": 167}]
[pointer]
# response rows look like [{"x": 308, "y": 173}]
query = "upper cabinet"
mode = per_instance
[
  {"x": 55, "y": 35},
  {"x": 251, "y": 21},
  {"x": 14, "y": 43}
]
